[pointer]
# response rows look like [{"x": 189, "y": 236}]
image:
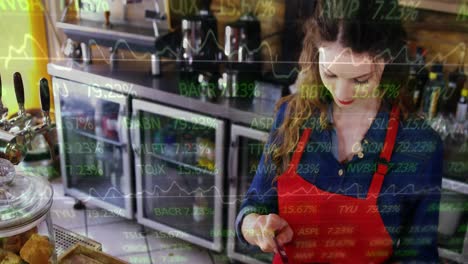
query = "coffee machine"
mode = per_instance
[
  {"x": 199, "y": 54},
  {"x": 242, "y": 53}
]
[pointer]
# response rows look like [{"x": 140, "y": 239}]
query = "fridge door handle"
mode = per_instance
[
  {"x": 233, "y": 160},
  {"x": 133, "y": 136},
  {"x": 121, "y": 120}
]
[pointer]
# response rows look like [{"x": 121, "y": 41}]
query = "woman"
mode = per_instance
[{"x": 356, "y": 175}]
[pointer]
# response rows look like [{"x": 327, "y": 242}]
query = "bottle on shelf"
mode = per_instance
[
  {"x": 439, "y": 114},
  {"x": 97, "y": 118},
  {"x": 459, "y": 131},
  {"x": 421, "y": 75},
  {"x": 441, "y": 124},
  {"x": 170, "y": 141},
  {"x": 103, "y": 150},
  {"x": 456, "y": 82},
  {"x": 188, "y": 150},
  {"x": 100, "y": 155},
  {"x": 412, "y": 82},
  {"x": 432, "y": 91},
  {"x": 206, "y": 151},
  {"x": 109, "y": 120},
  {"x": 110, "y": 127},
  {"x": 200, "y": 204},
  {"x": 115, "y": 167}
]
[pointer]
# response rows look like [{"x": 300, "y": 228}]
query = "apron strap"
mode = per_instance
[
  {"x": 299, "y": 150},
  {"x": 386, "y": 153}
]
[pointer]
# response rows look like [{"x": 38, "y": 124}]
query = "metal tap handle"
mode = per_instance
[
  {"x": 45, "y": 95},
  {"x": 19, "y": 89},
  {"x": 3, "y": 109},
  {"x": 1, "y": 89}
]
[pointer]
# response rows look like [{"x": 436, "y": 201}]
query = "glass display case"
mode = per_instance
[
  {"x": 26, "y": 233},
  {"x": 94, "y": 145},
  {"x": 246, "y": 151},
  {"x": 179, "y": 172}
]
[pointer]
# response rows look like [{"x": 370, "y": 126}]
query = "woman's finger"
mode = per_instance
[
  {"x": 284, "y": 235},
  {"x": 275, "y": 222},
  {"x": 270, "y": 229},
  {"x": 267, "y": 241}
]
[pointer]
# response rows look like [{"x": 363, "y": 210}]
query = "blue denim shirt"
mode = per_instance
[{"x": 410, "y": 194}]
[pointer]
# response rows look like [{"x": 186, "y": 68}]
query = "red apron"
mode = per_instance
[{"x": 330, "y": 227}]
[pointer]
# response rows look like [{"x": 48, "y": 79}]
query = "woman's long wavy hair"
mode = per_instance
[{"x": 369, "y": 28}]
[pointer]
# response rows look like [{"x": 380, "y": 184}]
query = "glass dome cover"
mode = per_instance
[{"x": 24, "y": 200}]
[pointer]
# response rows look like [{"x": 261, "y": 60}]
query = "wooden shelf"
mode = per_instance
[
  {"x": 98, "y": 138},
  {"x": 432, "y": 18},
  {"x": 180, "y": 163},
  {"x": 447, "y": 6}
]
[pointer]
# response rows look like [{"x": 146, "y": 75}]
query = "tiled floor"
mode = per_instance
[{"x": 123, "y": 238}]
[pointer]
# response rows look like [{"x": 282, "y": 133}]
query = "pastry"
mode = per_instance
[
  {"x": 9, "y": 258},
  {"x": 37, "y": 250},
  {"x": 12, "y": 244},
  {"x": 26, "y": 235},
  {"x": 3, "y": 254}
]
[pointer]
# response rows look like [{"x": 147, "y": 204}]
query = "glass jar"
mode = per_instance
[{"x": 26, "y": 232}]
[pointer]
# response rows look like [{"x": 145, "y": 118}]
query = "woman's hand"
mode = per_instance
[{"x": 259, "y": 230}]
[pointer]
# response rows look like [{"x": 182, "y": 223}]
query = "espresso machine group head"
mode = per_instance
[{"x": 17, "y": 133}]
